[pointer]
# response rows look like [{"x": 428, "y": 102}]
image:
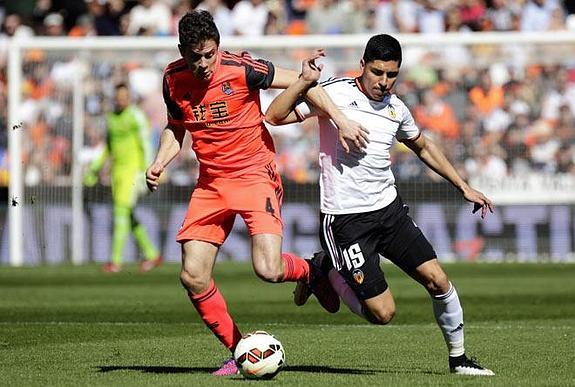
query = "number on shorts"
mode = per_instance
[
  {"x": 269, "y": 207},
  {"x": 353, "y": 257}
]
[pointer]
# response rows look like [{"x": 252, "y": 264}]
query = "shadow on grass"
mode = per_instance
[
  {"x": 356, "y": 371},
  {"x": 300, "y": 368},
  {"x": 157, "y": 369}
]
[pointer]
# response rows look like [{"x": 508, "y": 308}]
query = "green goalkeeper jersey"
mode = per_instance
[{"x": 128, "y": 141}]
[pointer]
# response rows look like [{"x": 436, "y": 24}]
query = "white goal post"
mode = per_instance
[{"x": 17, "y": 48}]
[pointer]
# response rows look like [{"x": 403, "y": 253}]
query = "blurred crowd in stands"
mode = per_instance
[
  {"x": 271, "y": 17},
  {"x": 496, "y": 111}
]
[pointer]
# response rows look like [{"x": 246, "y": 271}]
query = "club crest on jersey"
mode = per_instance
[
  {"x": 227, "y": 89},
  {"x": 391, "y": 111},
  {"x": 358, "y": 276}
]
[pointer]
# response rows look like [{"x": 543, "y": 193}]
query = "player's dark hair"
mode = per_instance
[
  {"x": 382, "y": 47},
  {"x": 196, "y": 27},
  {"x": 121, "y": 85}
]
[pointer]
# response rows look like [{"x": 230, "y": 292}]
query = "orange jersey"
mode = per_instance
[{"x": 222, "y": 114}]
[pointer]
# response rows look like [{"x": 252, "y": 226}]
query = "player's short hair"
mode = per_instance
[
  {"x": 121, "y": 85},
  {"x": 382, "y": 47},
  {"x": 196, "y": 27}
]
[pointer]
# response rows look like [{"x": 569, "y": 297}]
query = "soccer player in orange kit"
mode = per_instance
[{"x": 214, "y": 95}]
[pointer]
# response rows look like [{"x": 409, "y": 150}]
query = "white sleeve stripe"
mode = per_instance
[{"x": 331, "y": 81}]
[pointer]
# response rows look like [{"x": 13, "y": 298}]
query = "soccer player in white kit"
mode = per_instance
[{"x": 362, "y": 214}]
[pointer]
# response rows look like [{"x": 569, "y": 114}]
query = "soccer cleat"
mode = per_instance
[
  {"x": 461, "y": 365},
  {"x": 228, "y": 368},
  {"x": 301, "y": 293},
  {"x": 319, "y": 285},
  {"x": 111, "y": 267},
  {"x": 150, "y": 264}
]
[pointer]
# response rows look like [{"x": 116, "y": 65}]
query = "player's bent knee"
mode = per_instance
[
  {"x": 270, "y": 275},
  {"x": 437, "y": 283},
  {"x": 381, "y": 316},
  {"x": 194, "y": 283},
  {"x": 269, "y": 271}
]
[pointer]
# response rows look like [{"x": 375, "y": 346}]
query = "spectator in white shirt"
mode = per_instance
[
  {"x": 563, "y": 93},
  {"x": 221, "y": 14},
  {"x": 249, "y": 17},
  {"x": 430, "y": 18},
  {"x": 150, "y": 17},
  {"x": 536, "y": 15},
  {"x": 500, "y": 15}
]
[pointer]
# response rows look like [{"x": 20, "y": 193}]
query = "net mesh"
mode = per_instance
[{"x": 495, "y": 110}]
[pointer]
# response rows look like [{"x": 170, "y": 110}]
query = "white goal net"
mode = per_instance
[{"x": 500, "y": 105}]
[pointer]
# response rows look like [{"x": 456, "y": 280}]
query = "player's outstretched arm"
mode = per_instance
[
  {"x": 434, "y": 158},
  {"x": 280, "y": 111},
  {"x": 170, "y": 145},
  {"x": 350, "y": 132}
]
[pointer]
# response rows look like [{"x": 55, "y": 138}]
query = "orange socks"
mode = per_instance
[
  {"x": 295, "y": 268},
  {"x": 214, "y": 312}
]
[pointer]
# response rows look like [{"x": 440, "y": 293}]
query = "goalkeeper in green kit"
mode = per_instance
[{"x": 128, "y": 145}]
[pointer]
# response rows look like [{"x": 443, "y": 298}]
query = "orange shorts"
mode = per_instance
[{"x": 256, "y": 197}]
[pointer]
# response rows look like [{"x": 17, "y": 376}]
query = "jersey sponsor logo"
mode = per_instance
[
  {"x": 358, "y": 276},
  {"x": 199, "y": 112},
  {"x": 353, "y": 104},
  {"x": 219, "y": 110},
  {"x": 227, "y": 88},
  {"x": 221, "y": 122},
  {"x": 216, "y": 111}
]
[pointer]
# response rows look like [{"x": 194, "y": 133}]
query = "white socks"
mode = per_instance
[
  {"x": 345, "y": 292},
  {"x": 449, "y": 316},
  {"x": 446, "y": 309}
]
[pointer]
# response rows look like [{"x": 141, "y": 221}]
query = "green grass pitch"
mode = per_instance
[{"x": 76, "y": 326}]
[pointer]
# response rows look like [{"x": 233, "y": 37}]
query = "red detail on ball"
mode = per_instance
[
  {"x": 268, "y": 353},
  {"x": 256, "y": 352},
  {"x": 252, "y": 358}
]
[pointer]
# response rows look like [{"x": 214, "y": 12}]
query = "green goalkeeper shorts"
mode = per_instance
[{"x": 127, "y": 186}]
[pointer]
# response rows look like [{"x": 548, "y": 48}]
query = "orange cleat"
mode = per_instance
[
  {"x": 228, "y": 368},
  {"x": 111, "y": 267},
  {"x": 150, "y": 264}
]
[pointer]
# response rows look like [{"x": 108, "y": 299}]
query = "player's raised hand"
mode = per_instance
[
  {"x": 352, "y": 133},
  {"x": 310, "y": 71},
  {"x": 479, "y": 200},
  {"x": 153, "y": 174}
]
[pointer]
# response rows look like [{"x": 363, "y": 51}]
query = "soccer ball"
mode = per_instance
[{"x": 259, "y": 355}]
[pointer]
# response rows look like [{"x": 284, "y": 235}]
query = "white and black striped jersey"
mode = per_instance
[{"x": 359, "y": 182}]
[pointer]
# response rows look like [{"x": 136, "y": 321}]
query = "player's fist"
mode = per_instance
[
  {"x": 90, "y": 179},
  {"x": 310, "y": 71},
  {"x": 153, "y": 174}
]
